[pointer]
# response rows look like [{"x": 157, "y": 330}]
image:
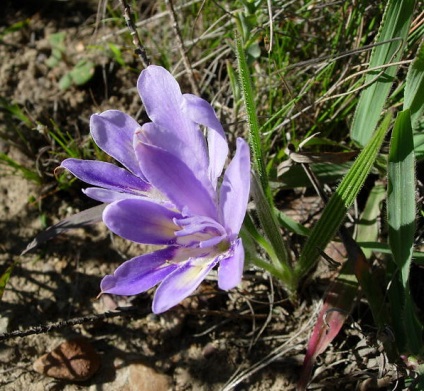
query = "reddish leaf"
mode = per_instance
[{"x": 335, "y": 310}]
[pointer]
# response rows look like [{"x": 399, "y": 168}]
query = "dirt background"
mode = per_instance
[{"x": 251, "y": 338}]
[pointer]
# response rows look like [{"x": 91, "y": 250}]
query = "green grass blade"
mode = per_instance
[
  {"x": 384, "y": 248},
  {"x": 335, "y": 211},
  {"x": 26, "y": 172},
  {"x": 16, "y": 111},
  {"x": 401, "y": 211},
  {"x": 4, "y": 278},
  {"x": 65, "y": 141},
  {"x": 393, "y": 30},
  {"x": 4, "y": 31},
  {"x": 250, "y": 228},
  {"x": 414, "y": 88},
  {"x": 261, "y": 190},
  {"x": 368, "y": 228},
  {"x": 270, "y": 226},
  {"x": 251, "y": 238},
  {"x": 419, "y": 146},
  {"x": 401, "y": 193},
  {"x": 291, "y": 225}
]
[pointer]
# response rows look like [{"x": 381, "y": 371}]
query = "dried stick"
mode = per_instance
[
  {"x": 139, "y": 48},
  {"x": 42, "y": 329}
]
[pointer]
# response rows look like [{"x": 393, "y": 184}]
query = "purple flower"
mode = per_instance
[{"x": 167, "y": 192}]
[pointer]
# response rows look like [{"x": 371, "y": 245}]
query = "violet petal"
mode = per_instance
[
  {"x": 139, "y": 274},
  {"x": 235, "y": 188},
  {"x": 171, "y": 141},
  {"x": 162, "y": 98},
  {"x": 105, "y": 175},
  {"x": 107, "y": 196},
  {"x": 181, "y": 283},
  {"x": 173, "y": 178},
  {"x": 230, "y": 269},
  {"x": 201, "y": 112},
  {"x": 141, "y": 221},
  {"x": 113, "y": 131},
  {"x": 200, "y": 230}
]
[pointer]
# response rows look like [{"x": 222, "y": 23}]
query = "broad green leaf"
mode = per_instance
[
  {"x": 404, "y": 322},
  {"x": 401, "y": 193},
  {"x": 336, "y": 209},
  {"x": 82, "y": 72},
  {"x": 401, "y": 211},
  {"x": 414, "y": 88},
  {"x": 391, "y": 39}
]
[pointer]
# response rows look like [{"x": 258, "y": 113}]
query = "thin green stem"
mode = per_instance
[{"x": 252, "y": 120}]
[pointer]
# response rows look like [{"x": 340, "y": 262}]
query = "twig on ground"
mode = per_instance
[{"x": 42, "y": 329}]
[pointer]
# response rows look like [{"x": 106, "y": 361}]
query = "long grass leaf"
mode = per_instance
[
  {"x": 252, "y": 119},
  {"x": 414, "y": 88},
  {"x": 401, "y": 193},
  {"x": 384, "y": 248},
  {"x": 394, "y": 32},
  {"x": 401, "y": 211},
  {"x": 336, "y": 209}
]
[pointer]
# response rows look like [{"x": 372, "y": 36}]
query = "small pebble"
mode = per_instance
[
  {"x": 74, "y": 360},
  {"x": 209, "y": 350},
  {"x": 144, "y": 378}
]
